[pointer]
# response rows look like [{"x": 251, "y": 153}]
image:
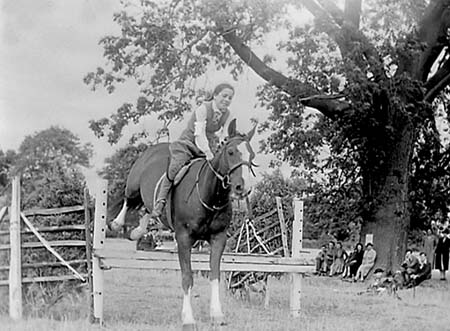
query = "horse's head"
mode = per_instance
[{"x": 235, "y": 161}]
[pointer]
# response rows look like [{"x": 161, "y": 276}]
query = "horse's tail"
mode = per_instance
[{"x": 114, "y": 207}]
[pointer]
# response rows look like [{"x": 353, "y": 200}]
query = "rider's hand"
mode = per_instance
[{"x": 209, "y": 156}]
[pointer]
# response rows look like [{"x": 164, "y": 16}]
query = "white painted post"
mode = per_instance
[
  {"x": 98, "y": 243},
  {"x": 297, "y": 245},
  {"x": 15, "y": 264}
]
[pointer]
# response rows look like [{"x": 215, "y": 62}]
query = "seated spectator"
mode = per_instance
[
  {"x": 340, "y": 255},
  {"x": 329, "y": 257},
  {"x": 353, "y": 261},
  {"x": 367, "y": 263},
  {"x": 409, "y": 266},
  {"x": 423, "y": 273},
  {"x": 320, "y": 260}
]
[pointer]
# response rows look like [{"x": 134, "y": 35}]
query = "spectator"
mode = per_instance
[
  {"x": 353, "y": 261},
  {"x": 442, "y": 251},
  {"x": 429, "y": 246},
  {"x": 367, "y": 263},
  {"x": 329, "y": 257},
  {"x": 410, "y": 266},
  {"x": 434, "y": 227},
  {"x": 423, "y": 273},
  {"x": 320, "y": 260},
  {"x": 340, "y": 255}
]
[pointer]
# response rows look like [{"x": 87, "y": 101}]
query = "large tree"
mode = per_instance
[
  {"x": 377, "y": 74},
  {"x": 49, "y": 164}
]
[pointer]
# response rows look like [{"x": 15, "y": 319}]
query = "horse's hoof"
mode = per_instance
[
  {"x": 137, "y": 233},
  {"x": 189, "y": 327}
]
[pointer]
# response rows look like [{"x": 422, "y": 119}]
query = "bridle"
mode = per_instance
[{"x": 225, "y": 179}]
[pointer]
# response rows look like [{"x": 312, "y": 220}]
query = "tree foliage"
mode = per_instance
[
  {"x": 49, "y": 163},
  {"x": 376, "y": 74}
]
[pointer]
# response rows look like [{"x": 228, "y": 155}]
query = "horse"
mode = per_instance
[{"x": 199, "y": 206}]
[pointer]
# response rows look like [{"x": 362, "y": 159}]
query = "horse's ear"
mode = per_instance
[
  {"x": 251, "y": 132},
  {"x": 232, "y": 128}
]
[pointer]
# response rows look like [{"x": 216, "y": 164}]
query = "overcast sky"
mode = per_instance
[{"x": 47, "y": 47}]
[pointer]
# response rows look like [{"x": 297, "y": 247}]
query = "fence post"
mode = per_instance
[
  {"x": 87, "y": 232},
  {"x": 15, "y": 264},
  {"x": 99, "y": 241},
  {"x": 297, "y": 246}
]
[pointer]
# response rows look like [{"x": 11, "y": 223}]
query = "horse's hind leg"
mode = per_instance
[
  {"x": 184, "y": 255},
  {"x": 217, "y": 244},
  {"x": 119, "y": 221}
]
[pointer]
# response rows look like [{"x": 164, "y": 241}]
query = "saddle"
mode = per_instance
[{"x": 177, "y": 180}]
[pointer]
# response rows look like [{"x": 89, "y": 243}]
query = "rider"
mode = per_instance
[{"x": 206, "y": 127}]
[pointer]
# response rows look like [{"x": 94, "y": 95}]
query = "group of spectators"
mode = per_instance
[
  {"x": 414, "y": 270},
  {"x": 436, "y": 245},
  {"x": 333, "y": 260}
]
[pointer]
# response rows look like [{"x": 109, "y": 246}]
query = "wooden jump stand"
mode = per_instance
[{"x": 168, "y": 260}]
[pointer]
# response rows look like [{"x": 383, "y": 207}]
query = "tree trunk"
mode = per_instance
[{"x": 389, "y": 218}]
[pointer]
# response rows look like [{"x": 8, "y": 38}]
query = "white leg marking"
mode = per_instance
[
  {"x": 216, "y": 308},
  {"x": 187, "y": 316},
  {"x": 119, "y": 221}
]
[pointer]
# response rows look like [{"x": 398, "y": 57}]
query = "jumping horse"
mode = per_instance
[{"x": 199, "y": 205}]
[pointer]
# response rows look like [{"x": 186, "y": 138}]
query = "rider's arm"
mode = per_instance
[{"x": 200, "y": 132}]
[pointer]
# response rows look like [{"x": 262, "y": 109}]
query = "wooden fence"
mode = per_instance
[{"x": 16, "y": 246}]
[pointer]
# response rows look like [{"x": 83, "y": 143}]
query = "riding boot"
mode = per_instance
[
  {"x": 164, "y": 189},
  {"x": 156, "y": 213}
]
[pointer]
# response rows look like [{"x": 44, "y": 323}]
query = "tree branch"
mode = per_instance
[
  {"x": 329, "y": 107},
  {"x": 352, "y": 12},
  {"x": 346, "y": 35}
]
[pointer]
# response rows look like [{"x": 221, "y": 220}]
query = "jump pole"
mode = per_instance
[
  {"x": 295, "y": 265},
  {"x": 297, "y": 246},
  {"x": 101, "y": 198},
  {"x": 15, "y": 263}
]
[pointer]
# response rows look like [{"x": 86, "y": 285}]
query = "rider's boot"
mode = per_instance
[{"x": 157, "y": 211}]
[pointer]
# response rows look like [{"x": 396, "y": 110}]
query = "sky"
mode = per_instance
[{"x": 46, "y": 49}]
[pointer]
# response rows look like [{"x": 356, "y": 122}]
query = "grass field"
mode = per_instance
[{"x": 151, "y": 300}]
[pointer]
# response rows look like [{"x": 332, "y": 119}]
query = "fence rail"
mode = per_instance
[
  {"x": 59, "y": 243},
  {"x": 51, "y": 211},
  {"x": 50, "y": 229}
]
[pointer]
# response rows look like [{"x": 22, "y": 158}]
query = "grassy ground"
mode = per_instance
[{"x": 151, "y": 300}]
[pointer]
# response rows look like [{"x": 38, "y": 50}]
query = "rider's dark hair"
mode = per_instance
[{"x": 219, "y": 88}]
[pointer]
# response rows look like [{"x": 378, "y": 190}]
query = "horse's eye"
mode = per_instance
[{"x": 230, "y": 152}]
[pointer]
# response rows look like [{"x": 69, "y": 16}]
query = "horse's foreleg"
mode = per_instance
[
  {"x": 217, "y": 243},
  {"x": 119, "y": 221},
  {"x": 141, "y": 230},
  {"x": 184, "y": 256}
]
